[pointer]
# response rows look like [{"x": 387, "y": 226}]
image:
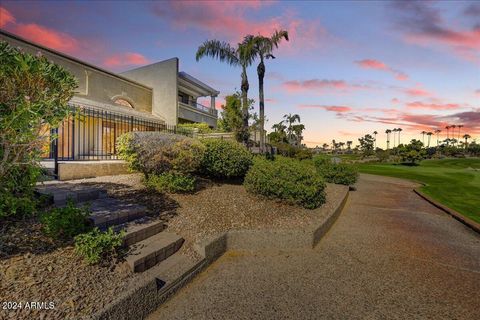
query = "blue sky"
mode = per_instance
[{"x": 349, "y": 68}]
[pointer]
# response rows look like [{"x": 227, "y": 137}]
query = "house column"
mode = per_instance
[{"x": 212, "y": 102}]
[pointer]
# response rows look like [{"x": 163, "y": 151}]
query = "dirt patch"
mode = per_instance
[{"x": 35, "y": 268}]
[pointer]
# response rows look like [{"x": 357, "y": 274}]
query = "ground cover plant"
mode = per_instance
[
  {"x": 96, "y": 246},
  {"x": 34, "y": 93},
  {"x": 225, "y": 159},
  {"x": 286, "y": 179},
  {"x": 171, "y": 182},
  {"x": 65, "y": 222},
  {"x": 453, "y": 182},
  {"x": 339, "y": 173}
]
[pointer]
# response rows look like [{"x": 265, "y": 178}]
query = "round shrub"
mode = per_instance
[
  {"x": 286, "y": 179},
  {"x": 171, "y": 182},
  {"x": 339, "y": 173},
  {"x": 225, "y": 159},
  {"x": 157, "y": 152}
]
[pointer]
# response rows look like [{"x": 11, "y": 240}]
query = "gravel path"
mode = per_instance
[{"x": 390, "y": 255}]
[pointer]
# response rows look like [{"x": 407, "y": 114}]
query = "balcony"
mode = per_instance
[{"x": 196, "y": 112}]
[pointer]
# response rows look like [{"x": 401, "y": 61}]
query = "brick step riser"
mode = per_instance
[
  {"x": 142, "y": 234},
  {"x": 103, "y": 222},
  {"x": 60, "y": 200},
  {"x": 156, "y": 257}
]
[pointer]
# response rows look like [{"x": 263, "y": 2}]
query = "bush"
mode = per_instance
[
  {"x": 189, "y": 128},
  {"x": 96, "y": 246},
  {"x": 171, "y": 182},
  {"x": 157, "y": 152},
  {"x": 287, "y": 179},
  {"x": 339, "y": 173},
  {"x": 225, "y": 159},
  {"x": 303, "y": 154},
  {"x": 65, "y": 222},
  {"x": 34, "y": 95}
]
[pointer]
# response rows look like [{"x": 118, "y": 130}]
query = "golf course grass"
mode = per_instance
[{"x": 453, "y": 182}]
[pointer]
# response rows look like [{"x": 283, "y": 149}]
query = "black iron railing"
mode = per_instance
[{"x": 90, "y": 134}]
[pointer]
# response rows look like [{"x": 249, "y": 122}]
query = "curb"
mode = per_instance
[
  {"x": 162, "y": 281},
  {"x": 456, "y": 215}
]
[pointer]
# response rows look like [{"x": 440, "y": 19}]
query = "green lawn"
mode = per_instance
[{"x": 453, "y": 182}]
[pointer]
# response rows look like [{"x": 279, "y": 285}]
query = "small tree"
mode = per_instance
[
  {"x": 412, "y": 152},
  {"x": 231, "y": 117},
  {"x": 366, "y": 145},
  {"x": 34, "y": 94}
]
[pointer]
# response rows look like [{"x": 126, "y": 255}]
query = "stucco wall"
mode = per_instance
[
  {"x": 163, "y": 78},
  {"x": 94, "y": 84}
]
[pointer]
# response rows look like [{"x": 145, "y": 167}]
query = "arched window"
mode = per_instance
[{"x": 123, "y": 102}]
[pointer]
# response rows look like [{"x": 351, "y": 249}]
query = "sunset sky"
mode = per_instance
[{"x": 349, "y": 68}]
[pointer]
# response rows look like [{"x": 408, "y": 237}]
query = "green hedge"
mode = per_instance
[
  {"x": 291, "y": 180},
  {"x": 157, "y": 152},
  {"x": 225, "y": 159},
  {"x": 339, "y": 173},
  {"x": 171, "y": 182}
]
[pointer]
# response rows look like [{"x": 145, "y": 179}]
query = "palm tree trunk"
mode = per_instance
[
  {"x": 261, "y": 75},
  {"x": 245, "y": 86}
]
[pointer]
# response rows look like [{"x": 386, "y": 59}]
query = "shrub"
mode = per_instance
[
  {"x": 225, "y": 159},
  {"x": 339, "y": 173},
  {"x": 303, "y": 154},
  {"x": 201, "y": 127},
  {"x": 286, "y": 179},
  {"x": 157, "y": 152},
  {"x": 171, "y": 182},
  {"x": 96, "y": 246},
  {"x": 34, "y": 95},
  {"x": 65, "y": 222}
]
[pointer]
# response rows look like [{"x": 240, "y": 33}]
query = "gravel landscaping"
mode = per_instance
[{"x": 35, "y": 268}]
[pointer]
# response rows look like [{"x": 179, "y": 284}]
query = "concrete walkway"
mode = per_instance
[{"x": 390, "y": 255}]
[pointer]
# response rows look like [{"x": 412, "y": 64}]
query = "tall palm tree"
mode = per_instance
[
  {"x": 466, "y": 137},
  {"x": 437, "y": 131},
  {"x": 399, "y": 130},
  {"x": 388, "y": 131},
  {"x": 263, "y": 47},
  {"x": 429, "y": 134},
  {"x": 453, "y": 133},
  {"x": 375, "y": 135},
  {"x": 349, "y": 145},
  {"x": 459, "y": 127},
  {"x": 243, "y": 56},
  {"x": 423, "y": 136},
  {"x": 448, "y": 128},
  {"x": 394, "y": 132}
]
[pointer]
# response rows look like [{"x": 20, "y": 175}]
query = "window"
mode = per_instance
[{"x": 123, "y": 102}]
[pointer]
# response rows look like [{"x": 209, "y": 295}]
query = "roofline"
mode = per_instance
[
  {"x": 194, "y": 80},
  {"x": 66, "y": 56}
]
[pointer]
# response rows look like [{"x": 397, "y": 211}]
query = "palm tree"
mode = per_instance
[
  {"x": 334, "y": 145},
  {"x": 448, "y": 128},
  {"x": 399, "y": 130},
  {"x": 394, "y": 132},
  {"x": 429, "y": 134},
  {"x": 437, "y": 131},
  {"x": 263, "y": 47},
  {"x": 325, "y": 146},
  {"x": 453, "y": 133},
  {"x": 375, "y": 134},
  {"x": 388, "y": 131},
  {"x": 459, "y": 127},
  {"x": 423, "y": 136},
  {"x": 243, "y": 56},
  {"x": 349, "y": 145},
  {"x": 466, "y": 137}
]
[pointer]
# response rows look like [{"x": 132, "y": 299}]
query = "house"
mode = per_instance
[{"x": 154, "y": 97}]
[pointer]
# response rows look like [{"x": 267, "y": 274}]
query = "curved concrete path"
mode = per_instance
[{"x": 390, "y": 255}]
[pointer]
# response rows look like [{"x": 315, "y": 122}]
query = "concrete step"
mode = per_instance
[
  {"x": 140, "y": 229},
  {"x": 60, "y": 193},
  {"x": 109, "y": 212},
  {"x": 153, "y": 250}
]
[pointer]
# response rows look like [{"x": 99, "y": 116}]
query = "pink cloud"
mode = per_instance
[
  {"x": 233, "y": 20},
  {"x": 379, "y": 65},
  {"x": 477, "y": 92},
  {"x": 395, "y": 101},
  {"x": 47, "y": 37},
  {"x": 433, "y": 106},
  {"x": 5, "y": 17},
  {"x": 125, "y": 59},
  {"x": 328, "y": 108},
  {"x": 417, "y": 92}
]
